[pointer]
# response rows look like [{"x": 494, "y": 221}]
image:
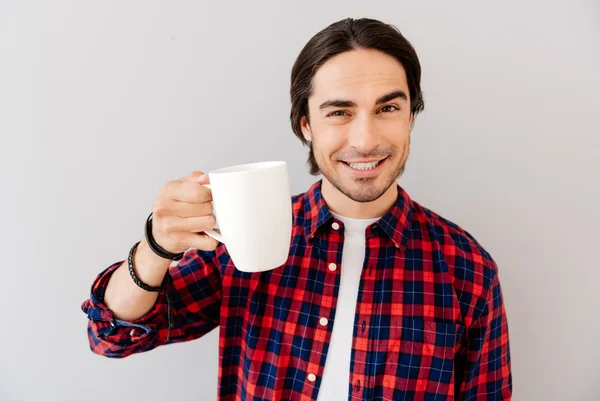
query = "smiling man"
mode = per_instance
[
  {"x": 361, "y": 114},
  {"x": 380, "y": 299}
]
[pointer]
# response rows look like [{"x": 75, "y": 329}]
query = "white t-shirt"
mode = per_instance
[{"x": 336, "y": 376}]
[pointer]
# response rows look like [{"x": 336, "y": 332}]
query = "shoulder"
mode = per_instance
[
  {"x": 298, "y": 207},
  {"x": 470, "y": 266},
  {"x": 449, "y": 230},
  {"x": 298, "y": 200}
]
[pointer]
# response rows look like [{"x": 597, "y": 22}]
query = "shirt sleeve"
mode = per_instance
[
  {"x": 486, "y": 371},
  {"x": 186, "y": 308}
]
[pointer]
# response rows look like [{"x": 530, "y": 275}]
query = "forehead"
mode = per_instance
[{"x": 360, "y": 75}]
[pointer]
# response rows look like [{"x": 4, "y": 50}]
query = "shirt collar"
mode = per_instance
[{"x": 394, "y": 223}]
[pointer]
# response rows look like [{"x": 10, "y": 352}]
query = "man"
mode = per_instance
[{"x": 380, "y": 299}]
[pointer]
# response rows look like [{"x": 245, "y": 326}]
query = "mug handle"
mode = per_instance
[{"x": 213, "y": 233}]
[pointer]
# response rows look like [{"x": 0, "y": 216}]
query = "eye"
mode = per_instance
[
  {"x": 389, "y": 108},
  {"x": 337, "y": 113}
]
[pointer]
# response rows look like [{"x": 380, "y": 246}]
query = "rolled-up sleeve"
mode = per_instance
[{"x": 186, "y": 308}]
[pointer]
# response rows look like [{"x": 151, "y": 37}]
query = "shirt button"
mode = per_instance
[
  {"x": 323, "y": 321},
  {"x": 311, "y": 377},
  {"x": 335, "y": 225},
  {"x": 132, "y": 332},
  {"x": 332, "y": 267}
]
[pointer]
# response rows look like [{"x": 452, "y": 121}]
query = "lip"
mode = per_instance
[{"x": 365, "y": 173}]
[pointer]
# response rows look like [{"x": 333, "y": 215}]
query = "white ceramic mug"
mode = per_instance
[{"x": 253, "y": 206}]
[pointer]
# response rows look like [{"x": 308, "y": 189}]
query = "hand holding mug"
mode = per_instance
[{"x": 182, "y": 215}]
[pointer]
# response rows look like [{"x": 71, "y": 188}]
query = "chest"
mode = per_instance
[{"x": 404, "y": 325}]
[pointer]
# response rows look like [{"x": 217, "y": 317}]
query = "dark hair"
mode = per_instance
[{"x": 339, "y": 37}]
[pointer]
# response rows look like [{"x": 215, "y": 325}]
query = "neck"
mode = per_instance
[{"x": 339, "y": 203}]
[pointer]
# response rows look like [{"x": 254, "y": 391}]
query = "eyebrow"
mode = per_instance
[{"x": 348, "y": 103}]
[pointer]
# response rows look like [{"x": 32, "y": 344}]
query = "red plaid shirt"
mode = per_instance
[{"x": 430, "y": 323}]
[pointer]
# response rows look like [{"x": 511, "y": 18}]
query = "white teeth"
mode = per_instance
[{"x": 363, "y": 166}]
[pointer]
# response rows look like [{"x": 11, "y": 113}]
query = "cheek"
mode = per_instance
[
  {"x": 395, "y": 132},
  {"x": 329, "y": 140}
]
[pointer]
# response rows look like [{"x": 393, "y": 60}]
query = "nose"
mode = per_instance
[{"x": 363, "y": 135}]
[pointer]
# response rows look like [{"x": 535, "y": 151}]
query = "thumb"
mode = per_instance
[{"x": 199, "y": 177}]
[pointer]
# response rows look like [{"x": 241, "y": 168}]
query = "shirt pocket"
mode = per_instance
[{"x": 426, "y": 360}]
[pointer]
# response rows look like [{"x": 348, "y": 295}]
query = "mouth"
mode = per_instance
[{"x": 369, "y": 169}]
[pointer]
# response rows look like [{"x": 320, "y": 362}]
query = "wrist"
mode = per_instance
[
  {"x": 149, "y": 267},
  {"x": 154, "y": 246}
]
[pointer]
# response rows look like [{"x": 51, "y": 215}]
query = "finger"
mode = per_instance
[
  {"x": 193, "y": 176},
  {"x": 189, "y": 191},
  {"x": 201, "y": 241},
  {"x": 187, "y": 209},
  {"x": 174, "y": 224},
  {"x": 199, "y": 177}
]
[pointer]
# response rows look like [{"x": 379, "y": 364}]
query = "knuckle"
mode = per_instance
[
  {"x": 158, "y": 225},
  {"x": 161, "y": 221},
  {"x": 165, "y": 189},
  {"x": 211, "y": 245},
  {"x": 204, "y": 209},
  {"x": 193, "y": 192},
  {"x": 159, "y": 212},
  {"x": 208, "y": 243},
  {"x": 196, "y": 193},
  {"x": 211, "y": 220},
  {"x": 201, "y": 193}
]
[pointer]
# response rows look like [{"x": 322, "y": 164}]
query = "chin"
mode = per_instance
[{"x": 364, "y": 195}]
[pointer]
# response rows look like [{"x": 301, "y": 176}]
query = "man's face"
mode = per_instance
[{"x": 360, "y": 112}]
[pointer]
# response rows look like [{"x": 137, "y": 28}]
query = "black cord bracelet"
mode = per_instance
[
  {"x": 135, "y": 278},
  {"x": 157, "y": 249}
]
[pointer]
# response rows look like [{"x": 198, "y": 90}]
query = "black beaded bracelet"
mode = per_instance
[
  {"x": 157, "y": 249},
  {"x": 135, "y": 278}
]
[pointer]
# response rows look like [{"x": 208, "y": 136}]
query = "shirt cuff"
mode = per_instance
[{"x": 105, "y": 325}]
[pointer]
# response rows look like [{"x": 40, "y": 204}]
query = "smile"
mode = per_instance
[
  {"x": 363, "y": 166},
  {"x": 364, "y": 170}
]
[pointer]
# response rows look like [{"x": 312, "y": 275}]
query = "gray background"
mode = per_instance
[{"x": 101, "y": 103}]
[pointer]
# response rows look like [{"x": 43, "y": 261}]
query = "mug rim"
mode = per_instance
[{"x": 248, "y": 167}]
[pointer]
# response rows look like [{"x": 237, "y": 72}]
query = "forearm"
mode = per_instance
[
  {"x": 128, "y": 301},
  {"x": 166, "y": 317}
]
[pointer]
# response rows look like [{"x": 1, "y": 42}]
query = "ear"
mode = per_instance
[{"x": 305, "y": 127}]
